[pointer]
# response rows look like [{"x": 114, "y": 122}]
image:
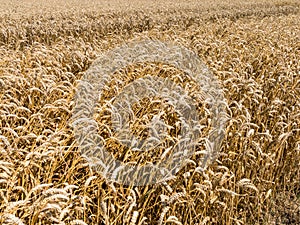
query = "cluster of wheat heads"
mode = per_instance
[
  {"x": 254, "y": 52},
  {"x": 140, "y": 100}
]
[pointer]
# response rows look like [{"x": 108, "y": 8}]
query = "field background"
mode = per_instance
[{"x": 253, "y": 47}]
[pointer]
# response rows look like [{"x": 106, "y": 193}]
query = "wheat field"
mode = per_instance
[{"x": 253, "y": 49}]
